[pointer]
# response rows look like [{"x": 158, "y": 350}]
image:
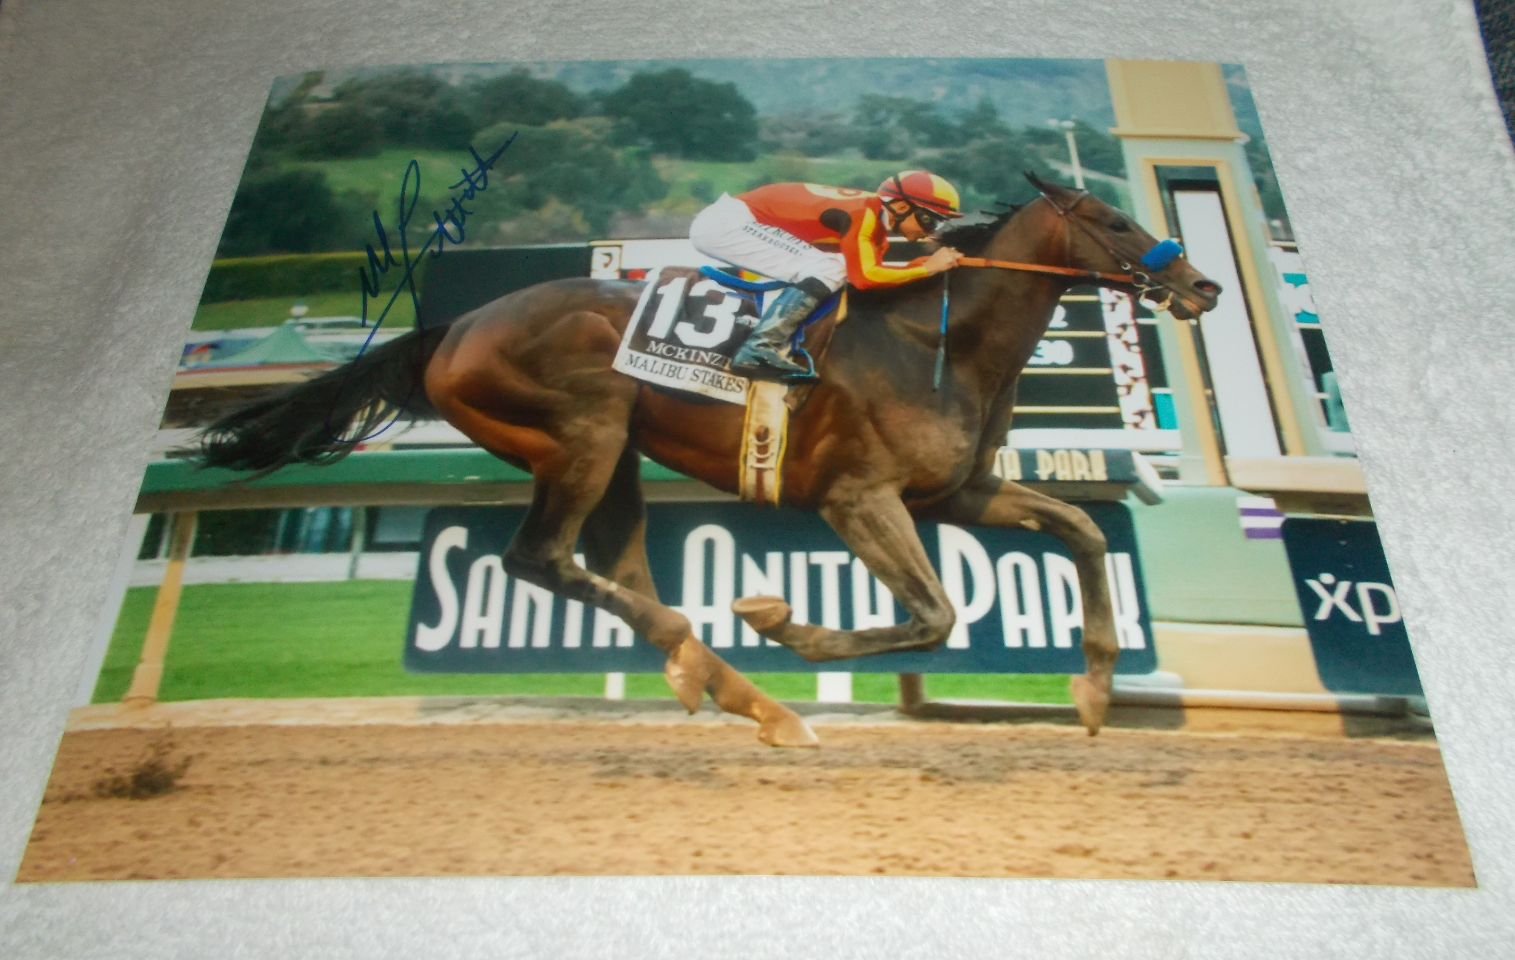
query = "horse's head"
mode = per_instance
[{"x": 1103, "y": 239}]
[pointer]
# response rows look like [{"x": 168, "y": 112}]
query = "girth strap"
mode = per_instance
[{"x": 737, "y": 283}]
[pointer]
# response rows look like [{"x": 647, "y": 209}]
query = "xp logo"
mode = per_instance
[
  {"x": 1336, "y": 595},
  {"x": 1355, "y": 628}
]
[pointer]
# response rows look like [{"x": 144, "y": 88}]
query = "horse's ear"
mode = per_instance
[{"x": 1036, "y": 182}]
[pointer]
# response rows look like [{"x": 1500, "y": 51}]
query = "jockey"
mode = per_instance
[{"x": 788, "y": 231}]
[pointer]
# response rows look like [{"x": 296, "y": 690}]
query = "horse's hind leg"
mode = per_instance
[
  {"x": 540, "y": 392},
  {"x": 614, "y": 540}
]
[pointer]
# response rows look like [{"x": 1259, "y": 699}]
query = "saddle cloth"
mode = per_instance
[
  {"x": 684, "y": 332},
  {"x": 682, "y": 335}
]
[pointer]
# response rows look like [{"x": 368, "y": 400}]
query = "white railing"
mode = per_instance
[{"x": 1146, "y": 441}]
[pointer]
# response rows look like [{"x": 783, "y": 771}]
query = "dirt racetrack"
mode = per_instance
[{"x": 588, "y": 797}]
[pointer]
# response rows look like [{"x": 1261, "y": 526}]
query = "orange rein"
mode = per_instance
[{"x": 1040, "y": 268}]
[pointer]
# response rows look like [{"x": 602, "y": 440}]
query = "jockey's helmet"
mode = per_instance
[{"x": 931, "y": 198}]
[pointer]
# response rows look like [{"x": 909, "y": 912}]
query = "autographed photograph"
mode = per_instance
[{"x": 917, "y": 467}]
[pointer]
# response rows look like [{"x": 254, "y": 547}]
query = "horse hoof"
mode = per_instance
[
  {"x": 1091, "y": 701},
  {"x": 761, "y": 613},
  {"x": 686, "y": 679},
  {"x": 787, "y": 729}
]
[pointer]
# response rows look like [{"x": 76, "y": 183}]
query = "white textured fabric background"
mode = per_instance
[{"x": 123, "y": 127}]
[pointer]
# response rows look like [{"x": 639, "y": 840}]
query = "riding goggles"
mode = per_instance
[{"x": 928, "y": 219}]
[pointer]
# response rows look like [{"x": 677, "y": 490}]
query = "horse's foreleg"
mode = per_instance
[
  {"x": 614, "y": 539},
  {"x": 878, "y": 528},
  {"x": 1000, "y": 503}
]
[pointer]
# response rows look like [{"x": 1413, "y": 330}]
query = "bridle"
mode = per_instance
[
  {"x": 1133, "y": 277},
  {"x": 1164, "y": 251}
]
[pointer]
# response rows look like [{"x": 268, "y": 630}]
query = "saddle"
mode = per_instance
[{"x": 687, "y": 325}]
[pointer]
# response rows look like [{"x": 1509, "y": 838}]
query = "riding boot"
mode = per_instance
[{"x": 762, "y": 355}]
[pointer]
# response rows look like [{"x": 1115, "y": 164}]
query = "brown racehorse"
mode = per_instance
[{"x": 528, "y": 377}]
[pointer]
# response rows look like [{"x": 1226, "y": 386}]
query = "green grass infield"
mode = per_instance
[{"x": 273, "y": 640}]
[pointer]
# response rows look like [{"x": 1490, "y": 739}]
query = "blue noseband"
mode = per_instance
[{"x": 1161, "y": 255}]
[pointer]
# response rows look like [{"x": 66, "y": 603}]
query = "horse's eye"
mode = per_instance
[{"x": 1120, "y": 226}]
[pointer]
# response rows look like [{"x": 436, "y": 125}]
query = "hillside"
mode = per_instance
[{"x": 1026, "y": 92}]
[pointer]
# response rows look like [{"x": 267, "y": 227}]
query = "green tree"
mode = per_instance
[
  {"x": 403, "y": 108},
  {"x": 980, "y": 122},
  {"x": 1107, "y": 191},
  {"x": 1097, "y": 150},
  {"x": 882, "y": 143},
  {"x": 682, "y": 115},
  {"x": 993, "y": 169},
  {"x": 518, "y": 97},
  {"x": 575, "y": 162},
  {"x": 342, "y": 130},
  {"x": 281, "y": 125},
  {"x": 813, "y": 133},
  {"x": 893, "y": 128},
  {"x": 411, "y": 109},
  {"x": 290, "y": 212}
]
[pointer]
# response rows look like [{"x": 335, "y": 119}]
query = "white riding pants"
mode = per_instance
[{"x": 727, "y": 230}]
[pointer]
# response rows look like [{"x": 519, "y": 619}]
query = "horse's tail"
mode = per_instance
[{"x": 325, "y": 418}]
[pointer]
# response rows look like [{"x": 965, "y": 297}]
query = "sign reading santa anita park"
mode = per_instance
[{"x": 1016, "y": 593}]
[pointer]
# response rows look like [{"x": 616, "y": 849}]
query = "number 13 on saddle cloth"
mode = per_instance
[{"x": 681, "y": 338}]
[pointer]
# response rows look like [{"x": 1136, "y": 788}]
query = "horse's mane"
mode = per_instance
[{"x": 972, "y": 237}]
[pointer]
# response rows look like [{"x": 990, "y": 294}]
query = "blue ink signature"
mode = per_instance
[
  {"x": 449, "y": 229},
  {"x": 474, "y": 182}
]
